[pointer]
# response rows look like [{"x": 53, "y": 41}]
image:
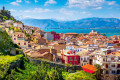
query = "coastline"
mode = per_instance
[{"x": 107, "y": 32}]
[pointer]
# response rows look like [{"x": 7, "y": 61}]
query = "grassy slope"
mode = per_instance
[{"x": 5, "y": 58}]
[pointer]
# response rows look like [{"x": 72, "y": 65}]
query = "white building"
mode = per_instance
[
  {"x": 109, "y": 61},
  {"x": 48, "y": 36},
  {"x": 20, "y": 25}
]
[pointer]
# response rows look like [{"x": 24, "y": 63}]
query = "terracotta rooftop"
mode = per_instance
[
  {"x": 71, "y": 33},
  {"x": 89, "y": 67}
]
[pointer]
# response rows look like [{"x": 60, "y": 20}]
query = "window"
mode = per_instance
[
  {"x": 75, "y": 63},
  {"x": 118, "y": 71},
  {"x": 113, "y": 72},
  {"x": 107, "y": 72},
  {"x": 103, "y": 59},
  {"x": 112, "y": 58},
  {"x": 24, "y": 43},
  {"x": 119, "y": 58},
  {"x": 81, "y": 58},
  {"x": 113, "y": 65},
  {"x": 118, "y": 65},
  {"x": 106, "y": 65},
  {"x": 87, "y": 58},
  {"x": 70, "y": 62},
  {"x": 75, "y": 58},
  {"x": 18, "y": 43},
  {"x": 70, "y": 58},
  {"x": 84, "y": 59}
]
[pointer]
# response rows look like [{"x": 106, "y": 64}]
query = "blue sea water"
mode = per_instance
[{"x": 108, "y": 32}]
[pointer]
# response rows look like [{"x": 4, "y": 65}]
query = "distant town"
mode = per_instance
[{"x": 73, "y": 49}]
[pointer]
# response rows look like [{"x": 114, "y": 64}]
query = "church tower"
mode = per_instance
[{"x": 3, "y": 8}]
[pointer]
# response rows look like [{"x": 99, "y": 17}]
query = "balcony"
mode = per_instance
[{"x": 85, "y": 61}]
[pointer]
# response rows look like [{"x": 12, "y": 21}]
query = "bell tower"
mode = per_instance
[{"x": 3, "y": 8}]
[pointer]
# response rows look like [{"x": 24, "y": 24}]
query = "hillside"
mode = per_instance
[
  {"x": 81, "y": 23},
  {"x": 5, "y": 42},
  {"x": 6, "y": 60}
]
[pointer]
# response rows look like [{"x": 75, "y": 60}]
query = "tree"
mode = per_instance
[
  {"x": 80, "y": 75},
  {"x": 28, "y": 36},
  {"x": 98, "y": 72},
  {"x": 17, "y": 30},
  {"x": 11, "y": 28}
]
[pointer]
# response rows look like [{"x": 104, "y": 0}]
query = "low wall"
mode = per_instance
[{"x": 54, "y": 64}]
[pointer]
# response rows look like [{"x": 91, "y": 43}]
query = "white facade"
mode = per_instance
[
  {"x": 48, "y": 36},
  {"x": 84, "y": 60},
  {"x": 20, "y": 25}
]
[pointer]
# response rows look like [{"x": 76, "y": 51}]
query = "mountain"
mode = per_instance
[{"x": 81, "y": 23}]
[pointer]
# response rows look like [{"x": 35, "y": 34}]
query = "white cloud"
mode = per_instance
[
  {"x": 37, "y": 10},
  {"x": 36, "y": 1},
  {"x": 66, "y": 12},
  {"x": 24, "y": 16},
  {"x": 86, "y": 13},
  {"x": 111, "y": 3},
  {"x": 94, "y": 4},
  {"x": 19, "y": 1},
  {"x": 14, "y": 3},
  {"x": 98, "y": 8},
  {"x": 26, "y": 1},
  {"x": 85, "y": 3},
  {"x": 12, "y": 10},
  {"x": 50, "y": 2}
]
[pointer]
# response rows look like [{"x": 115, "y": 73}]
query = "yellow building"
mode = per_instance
[
  {"x": 35, "y": 38},
  {"x": 7, "y": 30}
]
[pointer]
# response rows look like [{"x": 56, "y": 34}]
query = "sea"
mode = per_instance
[{"x": 107, "y": 32}]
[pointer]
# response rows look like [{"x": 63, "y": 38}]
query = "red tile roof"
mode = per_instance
[{"x": 89, "y": 67}]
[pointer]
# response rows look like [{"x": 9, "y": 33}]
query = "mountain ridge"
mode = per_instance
[{"x": 80, "y": 23}]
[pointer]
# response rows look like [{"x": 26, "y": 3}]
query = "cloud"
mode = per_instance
[
  {"x": 24, "y": 16},
  {"x": 111, "y": 3},
  {"x": 19, "y": 1},
  {"x": 86, "y": 13},
  {"x": 36, "y": 1},
  {"x": 12, "y": 10},
  {"x": 98, "y": 8},
  {"x": 37, "y": 10},
  {"x": 50, "y": 2},
  {"x": 14, "y": 3},
  {"x": 26, "y": 1},
  {"x": 66, "y": 12},
  {"x": 85, "y": 3}
]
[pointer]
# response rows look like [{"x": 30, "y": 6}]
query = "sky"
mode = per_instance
[{"x": 62, "y": 9}]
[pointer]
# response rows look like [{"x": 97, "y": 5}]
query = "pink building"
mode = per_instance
[
  {"x": 70, "y": 57},
  {"x": 56, "y": 36}
]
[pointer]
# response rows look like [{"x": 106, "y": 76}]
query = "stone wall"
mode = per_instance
[{"x": 54, "y": 64}]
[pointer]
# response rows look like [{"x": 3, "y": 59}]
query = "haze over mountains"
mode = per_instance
[{"x": 81, "y": 23}]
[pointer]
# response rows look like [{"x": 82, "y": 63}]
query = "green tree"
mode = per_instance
[
  {"x": 11, "y": 28},
  {"x": 98, "y": 72}
]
